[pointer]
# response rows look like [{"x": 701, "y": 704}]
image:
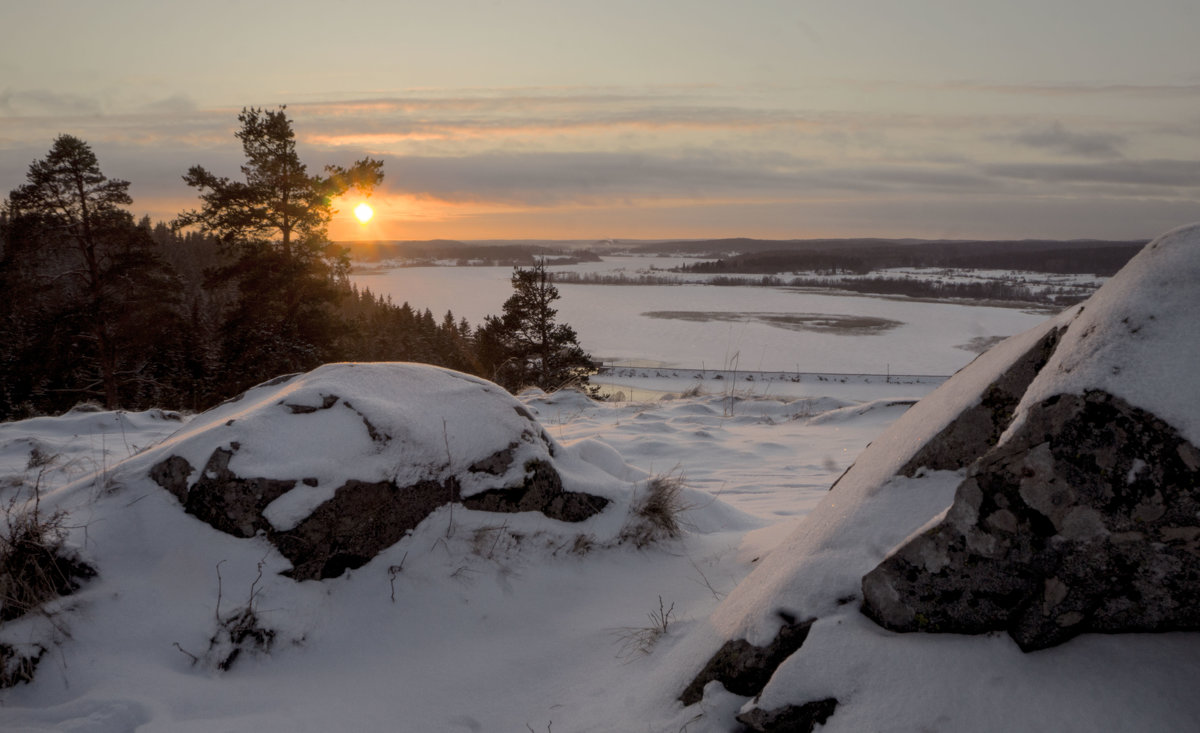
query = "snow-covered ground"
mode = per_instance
[
  {"x": 491, "y": 641},
  {"x": 466, "y": 626}
]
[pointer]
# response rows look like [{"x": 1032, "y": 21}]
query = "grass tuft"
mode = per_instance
[
  {"x": 641, "y": 639},
  {"x": 655, "y": 515},
  {"x": 35, "y": 564}
]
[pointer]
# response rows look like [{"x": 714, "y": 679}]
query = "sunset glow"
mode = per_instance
[
  {"x": 774, "y": 119},
  {"x": 364, "y": 212}
]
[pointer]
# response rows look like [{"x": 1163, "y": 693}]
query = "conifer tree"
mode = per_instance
[
  {"x": 85, "y": 285},
  {"x": 272, "y": 227},
  {"x": 525, "y": 346}
]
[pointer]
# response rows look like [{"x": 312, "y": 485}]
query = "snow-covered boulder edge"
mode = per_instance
[
  {"x": 198, "y": 600},
  {"x": 339, "y": 463},
  {"x": 1086, "y": 515},
  {"x": 790, "y": 641},
  {"x": 334, "y": 465}
]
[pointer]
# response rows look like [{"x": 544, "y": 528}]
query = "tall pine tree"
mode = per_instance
[
  {"x": 85, "y": 287},
  {"x": 272, "y": 227}
]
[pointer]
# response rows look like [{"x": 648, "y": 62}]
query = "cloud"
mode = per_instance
[
  {"x": 1057, "y": 138},
  {"x": 45, "y": 103},
  {"x": 1071, "y": 89},
  {"x": 1172, "y": 173},
  {"x": 175, "y": 105},
  {"x": 553, "y": 152},
  {"x": 383, "y": 124},
  {"x": 547, "y": 179}
]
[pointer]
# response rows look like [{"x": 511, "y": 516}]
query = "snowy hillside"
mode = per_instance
[
  {"x": 474, "y": 622},
  {"x": 488, "y": 619}
]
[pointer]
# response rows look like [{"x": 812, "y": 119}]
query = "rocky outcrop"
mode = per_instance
[
  {"x": 789, "y": 718},
  {"x": 542, "y": 491},
  {"x": 334, "y": 466},
  {"x": 1049, "y": 489},
  {"x": 1086, "y": 519},
  {"x": 225, "y": 500},
  {"x": 978, "y": 428},
  {"x": 744, "y": 668},
  {"x": 1085, "y": 516}
]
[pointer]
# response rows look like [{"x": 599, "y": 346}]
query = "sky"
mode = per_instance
[{"x": 558, "y": 119}]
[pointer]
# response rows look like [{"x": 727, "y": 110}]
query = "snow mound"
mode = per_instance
[
  {"x": 337, "y": 464},
  {"x": 1137, "y": 337},
  {"x": 790, "y": 639}
]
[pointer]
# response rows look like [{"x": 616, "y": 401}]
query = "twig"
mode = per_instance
[
  {"x": 499, "y": 532},
  {"x": 393, "y": 571},
  {"x": 218, "y": 611},
  {"x": 715, "y": 593},
  {"x": 253, "y": 592},
  {"x": 195, "y": 659}
]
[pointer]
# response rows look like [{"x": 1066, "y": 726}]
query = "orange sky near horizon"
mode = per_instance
[{"x": 556, "y": 119}]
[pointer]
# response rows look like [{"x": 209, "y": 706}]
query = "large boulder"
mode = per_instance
[
  {"x": 1051, "y": 487},
  {"x": 337, "y": 464},
  {"x": 1086, "y": 516}
]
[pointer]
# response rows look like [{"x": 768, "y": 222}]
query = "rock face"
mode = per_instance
[
  {"x": 1086, "y": 515},
  {"x": 979, "y": 427},
  {"x": 335, "y": 465},
  {"x": 1086, "y": 519},
  {"x": 743, "y": 668}
]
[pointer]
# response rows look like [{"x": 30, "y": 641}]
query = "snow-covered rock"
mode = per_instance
[
  {"x": 337, "y": 464},
  {"x": 1086, "y": 516},
  {"x": 1051, "y": 487}
]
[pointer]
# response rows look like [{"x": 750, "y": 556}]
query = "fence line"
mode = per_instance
[{"x": 751, "y": 375}]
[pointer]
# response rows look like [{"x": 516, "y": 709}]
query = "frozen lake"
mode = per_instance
[{"x": 715, "y": 327}]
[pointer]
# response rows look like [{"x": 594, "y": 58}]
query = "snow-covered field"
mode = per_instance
[
  {"x": 471, "y": 642},
  {"x": 699, "y": 326}
]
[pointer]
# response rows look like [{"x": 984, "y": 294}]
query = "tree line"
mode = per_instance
[
  {"x": 134, "y": 314},
  {"x": 861, "y": 257}
]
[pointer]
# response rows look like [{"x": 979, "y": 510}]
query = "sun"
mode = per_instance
[{"x": 364, "y": 212}]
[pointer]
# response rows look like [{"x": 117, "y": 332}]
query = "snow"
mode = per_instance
[
  {"x": 344, "y": 409},
  {"x": 1143, "y": 322},
  {"x": 484, "y": 633},
  {"x": 817, "y": 572},
  {"x": 612, "y": 322},
  {"x": 484, "y": 622}
]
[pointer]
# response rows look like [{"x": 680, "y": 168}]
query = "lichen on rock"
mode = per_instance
[{"x": 1084, "y": 520}]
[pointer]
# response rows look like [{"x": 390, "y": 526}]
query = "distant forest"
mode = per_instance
[
  {"x": 861, "y": 257},
  {"x": 464, "y": 254},
  {"x": 861, "y": 266},
  {"x": 179, "y": 337}
]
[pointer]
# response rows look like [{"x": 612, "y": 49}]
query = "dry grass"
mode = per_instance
[
  {"x": 655, "y": 515},
  {"x": 241, "y": 631},
  {"x": 35, "y": 565},
  {"x": 641, "y": 639},
  {"x": 16, "y": 667}
]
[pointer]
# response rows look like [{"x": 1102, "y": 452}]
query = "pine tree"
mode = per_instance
[
  {"x": 525, "y": 346},
  {"x": 272, "y": 226},
  {"x": 85, "y": 279}
]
